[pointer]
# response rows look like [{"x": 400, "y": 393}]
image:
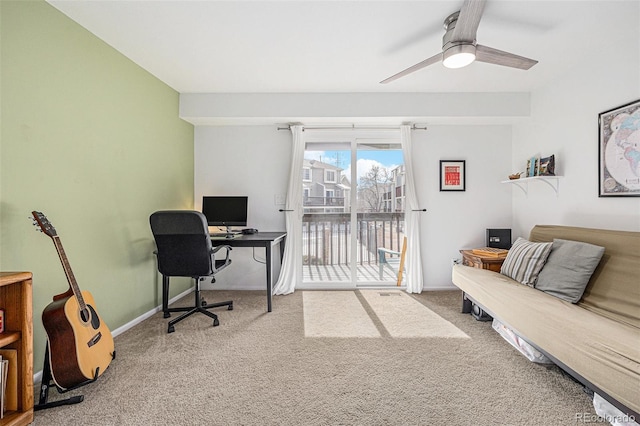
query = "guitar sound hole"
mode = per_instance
[
  {"x": 84, "y": 315},
  {"x": 90, "y": 314}
]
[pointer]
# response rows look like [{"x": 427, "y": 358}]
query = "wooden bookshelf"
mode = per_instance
[{"x": 16, "y": 300}]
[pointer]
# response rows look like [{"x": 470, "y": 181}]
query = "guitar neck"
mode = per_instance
[{"x": 68, "y": 272}]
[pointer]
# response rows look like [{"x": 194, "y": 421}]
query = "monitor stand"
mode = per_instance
[{"x": 230, "y": 233}]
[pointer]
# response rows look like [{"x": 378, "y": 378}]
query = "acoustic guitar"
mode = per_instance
[{"x": 80, "y": 343}]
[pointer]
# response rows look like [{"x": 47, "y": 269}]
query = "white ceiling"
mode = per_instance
[{"x": 339, "y": 46}]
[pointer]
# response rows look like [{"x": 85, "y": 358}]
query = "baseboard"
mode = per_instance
[
  {"x": 441, "y": 288},
  {"x": 37, "y": 377},
  {"x": 149, "y": 314}
]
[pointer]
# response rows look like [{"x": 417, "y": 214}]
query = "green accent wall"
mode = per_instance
[{"x": 94, "y": 142}]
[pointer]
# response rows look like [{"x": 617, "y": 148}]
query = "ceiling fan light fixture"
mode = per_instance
[{"x": 459, "y": 55}]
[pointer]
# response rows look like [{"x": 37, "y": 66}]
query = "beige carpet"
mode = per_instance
[
  {"x": 258, "y": 368},
  {"x": 403, "y": 316},
  {"x": 372, "y": 313},
  {"x": 336, "y": 314}
]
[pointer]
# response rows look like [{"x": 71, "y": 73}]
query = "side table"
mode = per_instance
[{"x": 492, "y": 263}]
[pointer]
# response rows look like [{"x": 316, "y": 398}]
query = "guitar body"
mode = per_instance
[{"x": 80, "y": 343}]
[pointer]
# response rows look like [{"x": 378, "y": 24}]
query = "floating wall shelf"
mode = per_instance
[{"x": 523, "y": 183}]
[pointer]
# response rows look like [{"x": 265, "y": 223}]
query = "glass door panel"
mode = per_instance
[
  {"x": 379, "y": 211},
  {"x": 326, "y": 223}
]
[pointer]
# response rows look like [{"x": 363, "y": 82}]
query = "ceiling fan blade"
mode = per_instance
[
  {"x": 498, "y": 57},
  {"x": 416, "y": 67},
  {"x": 468, "y": 21}
]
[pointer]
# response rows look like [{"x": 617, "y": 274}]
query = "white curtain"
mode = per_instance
[
  {"x": 291, "y": 271},
  {"x": 413, "y": 262}
]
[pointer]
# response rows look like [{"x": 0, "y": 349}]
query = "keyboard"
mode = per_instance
[{"x": 222, "y": 235}]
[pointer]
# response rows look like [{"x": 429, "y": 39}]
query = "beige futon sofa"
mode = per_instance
[{"x": 596, "y": 340}]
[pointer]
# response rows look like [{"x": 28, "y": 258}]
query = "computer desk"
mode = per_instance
[{"x": 260, "y": 239}]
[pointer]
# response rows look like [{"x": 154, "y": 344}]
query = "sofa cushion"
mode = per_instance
[
  {"x": 568, "y": 269},
  {"x": 613, "y": 289},
  {"x": 525, "y": 260}
]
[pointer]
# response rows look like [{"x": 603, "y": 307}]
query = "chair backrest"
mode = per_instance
[{"x": 183, "y": 243}]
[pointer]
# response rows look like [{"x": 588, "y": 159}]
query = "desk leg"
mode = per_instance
[
  {"x": 282, "y": 249},
  {"x": 269, "y": 275}
]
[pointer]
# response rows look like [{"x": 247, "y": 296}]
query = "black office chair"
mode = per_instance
[{"x": 184, "y": 250}]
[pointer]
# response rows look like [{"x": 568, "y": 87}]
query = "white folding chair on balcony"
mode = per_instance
[{"x": 394, "y": 261}]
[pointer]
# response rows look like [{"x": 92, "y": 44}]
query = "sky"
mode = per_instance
[{"x": 366, "y": 159}]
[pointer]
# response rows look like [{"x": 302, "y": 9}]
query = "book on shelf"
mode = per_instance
[
  {"x": 9, "y": 380},
  {"x": 3, "y": 381}
]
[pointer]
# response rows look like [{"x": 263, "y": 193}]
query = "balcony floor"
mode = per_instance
[{"x": 340, "y": 273}]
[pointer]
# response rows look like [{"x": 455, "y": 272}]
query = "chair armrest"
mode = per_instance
[
  {"x": 382, "y": 251},
  {"x": 216, "y": 249}
]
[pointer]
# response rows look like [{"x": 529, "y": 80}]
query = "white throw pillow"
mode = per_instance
[{"x": 525, "y": 260}]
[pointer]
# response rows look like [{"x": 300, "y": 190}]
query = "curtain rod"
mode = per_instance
[{"x": 352, "y": 127}]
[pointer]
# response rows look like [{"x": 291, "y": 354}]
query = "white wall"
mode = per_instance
[
  {"x": 254, "y": 161},
  {"x": 244, "y": 160},
  {"x": 458, "y": 220},
  {"x": 376, "y": 108},
  {"x": 564, "y": 122}
]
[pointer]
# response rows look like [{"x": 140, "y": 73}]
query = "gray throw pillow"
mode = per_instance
[
  {"x": 525, "y": 260},
  {"x": 568, "y": 269}
]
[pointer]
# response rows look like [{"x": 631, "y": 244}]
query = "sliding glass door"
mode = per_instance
[{"x": 353, "y": 198}]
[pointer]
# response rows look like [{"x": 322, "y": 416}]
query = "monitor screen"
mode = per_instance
[{"x": 225, "y": 210}]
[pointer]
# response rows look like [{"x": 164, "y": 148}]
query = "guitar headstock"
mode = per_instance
[{"x": 39, "y": 219}]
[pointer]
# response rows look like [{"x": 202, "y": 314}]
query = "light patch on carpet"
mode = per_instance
[
  {"x": 405, "y": 317},
  {"x": 336, "y": 314}
]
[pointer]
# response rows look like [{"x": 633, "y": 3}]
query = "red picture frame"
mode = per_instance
[{"x": 452, "y": 175}]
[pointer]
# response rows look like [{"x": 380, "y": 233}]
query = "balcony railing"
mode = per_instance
[
  {"x": 323, "y": 201},
  {"x": 327, "y": 237}
]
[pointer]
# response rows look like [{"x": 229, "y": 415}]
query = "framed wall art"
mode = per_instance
[
  {"x": 547, "y": 166},
  {"x": 452, "y": 175},
  {"x": 619, "y": 151}
]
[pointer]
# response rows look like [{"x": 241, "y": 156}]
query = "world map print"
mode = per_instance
[{"x": 620, "y": 155}]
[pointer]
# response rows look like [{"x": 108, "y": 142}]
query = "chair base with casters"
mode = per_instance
[{"x": 201, "y": 305}]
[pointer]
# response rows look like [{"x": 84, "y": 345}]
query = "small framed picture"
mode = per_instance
[
  {"x": 452, "y": 175},
  {"x": 548, "y": 166}
]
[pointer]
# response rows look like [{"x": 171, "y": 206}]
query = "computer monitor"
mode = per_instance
[{"x": 225, "y": 210}]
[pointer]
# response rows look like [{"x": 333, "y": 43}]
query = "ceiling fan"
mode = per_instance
[{"x": 459, "y": 47}]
